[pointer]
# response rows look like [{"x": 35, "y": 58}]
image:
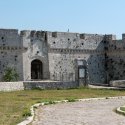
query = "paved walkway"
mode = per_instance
[{"x": 95, "y": 112}]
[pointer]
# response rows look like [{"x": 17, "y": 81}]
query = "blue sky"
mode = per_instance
[{"x": 83, "y": 16}]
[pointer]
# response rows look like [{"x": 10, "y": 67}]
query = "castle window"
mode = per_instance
[
  {"x": 68, "y": 39},
  {"x": 54, "y": 42},
  {"x": 45, "y": 37},
  {"x": 82, "y": 36},
  {"x": 54, "y": 34},
  {"x": 98, "y": 65},
  {"x": 82, "y": 43},
  {"x": 2, "y": 37},
  {"x": 104, "y": 41},
  {"x": 32, "y": 33}
]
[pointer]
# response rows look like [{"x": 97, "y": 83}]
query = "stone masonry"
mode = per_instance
[{"x": 58, "y": 56}]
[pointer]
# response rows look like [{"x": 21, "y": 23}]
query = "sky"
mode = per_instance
[{"x": 82, "y": 16}]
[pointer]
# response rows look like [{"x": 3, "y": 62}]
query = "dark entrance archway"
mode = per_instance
[{"x": 36, "y": 69}]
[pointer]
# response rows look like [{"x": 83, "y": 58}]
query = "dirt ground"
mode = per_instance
[{"x": 94, "y": 112}]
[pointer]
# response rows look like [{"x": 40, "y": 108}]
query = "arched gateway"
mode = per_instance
[{"x": 36, "y": 69}]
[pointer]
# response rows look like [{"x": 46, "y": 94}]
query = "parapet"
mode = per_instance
[
  {"x": 109, "y": 37},
  {"x": 9, "y": 31},
  {"x": 72, "y": 34},
  {"x": 32, "y": 33},
  {"x": 25, "y": 33},
  {"x": 123, "y": 36},
  {"x": 85, "y": 35}
]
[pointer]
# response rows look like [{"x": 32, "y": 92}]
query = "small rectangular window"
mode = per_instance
[
  {"x": 82, "y": 36},
  {"x": 54, "y": 34}
]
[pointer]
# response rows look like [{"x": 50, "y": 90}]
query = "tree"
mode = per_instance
[{"x": 10, "y": 75}]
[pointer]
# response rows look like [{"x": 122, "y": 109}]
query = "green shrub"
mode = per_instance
[
  {"x": 52, "y": 102},
  {"x": 49, "y": 103},
  {"x": 26, "y": 112},
  {"x": 39, "y": 102},
  {"x": 38, "y": 88},
  {"x": 71, "y": 100},
  {"x": 46, "y": 103},
  {"x": 35, "y": 107},
  {"x": 10, "y": 75}
]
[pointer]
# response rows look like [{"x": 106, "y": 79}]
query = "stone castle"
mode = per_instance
[{"x": 62, "y": 56}]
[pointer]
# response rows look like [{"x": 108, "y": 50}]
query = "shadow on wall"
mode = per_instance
[
  {"x": 115, "y": 59},
  {"x": 110, "y": 64},
  {"x": 97, "y": 64}
]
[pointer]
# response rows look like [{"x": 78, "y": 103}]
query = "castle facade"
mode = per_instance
[{"x": 62, "y": 56}]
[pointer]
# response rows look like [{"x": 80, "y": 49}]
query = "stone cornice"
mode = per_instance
[
  {"x": 83, "y": 51},
  {"x": 74, "y": 51},
  {"x": 12, "y": 48},
  {"x": 115, "y": 51}
]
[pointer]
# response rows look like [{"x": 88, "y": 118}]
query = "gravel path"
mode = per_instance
[{"x": 95, "y": 112}]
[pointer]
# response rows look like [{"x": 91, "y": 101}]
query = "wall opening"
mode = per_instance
[{"x": 36, "y": 69}]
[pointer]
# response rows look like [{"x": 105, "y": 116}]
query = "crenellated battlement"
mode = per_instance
[
  {"x": 25, "y": 33},
  {"x": 71, "y": 34},
  {"x": 9, "y": 31},
  {"x": 33, "y": 34}
]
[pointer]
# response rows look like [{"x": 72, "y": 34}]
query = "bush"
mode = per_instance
[
  {"x": 52, "y": 102},
  {"x": 26, "y": 113},
  {"x": 49, "y": 103},
  {"x": 10, "y": 75},
  {"x": 71, "y": 100}
]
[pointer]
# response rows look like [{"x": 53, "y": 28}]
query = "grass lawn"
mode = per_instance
[
  {"x": 122, "y": 108},
  {"x": 14, "y": 104}
]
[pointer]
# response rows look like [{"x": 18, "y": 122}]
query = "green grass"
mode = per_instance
[
  {"x": 119, "y": 112},
  {"x": 122, "y": 108},
  {"x": 14, "y": 106}
]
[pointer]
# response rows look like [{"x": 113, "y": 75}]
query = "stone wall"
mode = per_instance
[
  {"x": 116, "y": 66},
  {"x": 10, "y": 51},
  {"x": 65, "y": 48},
  {"x": 17, "y": 86},
  {"x": 115, "y": 59},
  {"x": 58, "y": 52},
  {"x": 50, "y": 85},
  {"x": 36, "y": 44},
  {"x": 11, "y": 86},
  {"x": 66, "y": 40},
  {"x": 118, "y": 83}
]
